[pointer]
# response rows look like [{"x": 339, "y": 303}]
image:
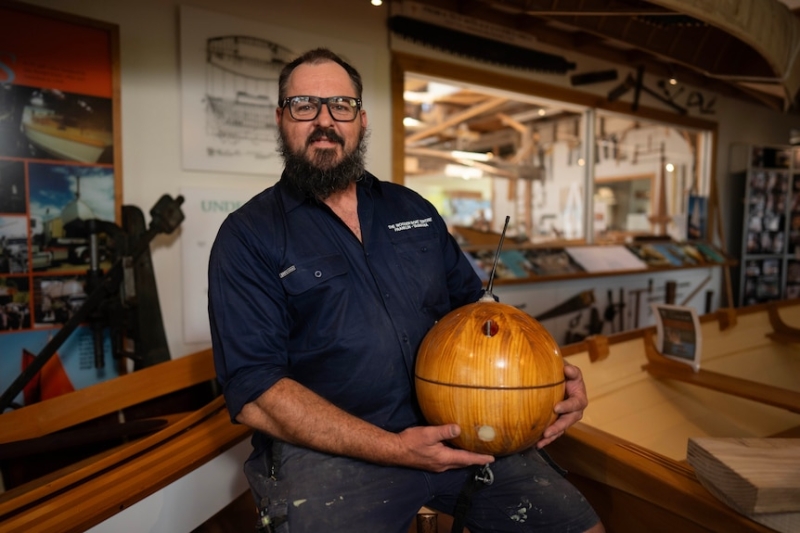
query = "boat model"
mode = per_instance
[
  {"x": 62, "y": 137},
  {"x": 629, "y": 453}
]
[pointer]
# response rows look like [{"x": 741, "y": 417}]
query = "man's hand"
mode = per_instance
[
  {"x": 426, "y": 450},
  {"x": 569, "y": 410}
]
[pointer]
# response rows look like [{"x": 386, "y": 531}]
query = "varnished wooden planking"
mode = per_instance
[
  {"x": 663, "y": 414},
  {"x": 754, "y": 475},
  {"x": 638, "y": 472},
  {"x": 40, "y": 489},
  {"x": 92, "y": 501},
  {"x": 107, "y": 397},
  {"x": 631, "y": 444}
]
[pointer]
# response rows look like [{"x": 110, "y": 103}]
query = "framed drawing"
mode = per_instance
[
  {"x": 60, "y": 167},
  {"x": 229, "y": 88}
]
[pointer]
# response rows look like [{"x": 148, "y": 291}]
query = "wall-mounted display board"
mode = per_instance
[
  {"x": 768, "y": 180},
  {"x": 59, "y": 167}
]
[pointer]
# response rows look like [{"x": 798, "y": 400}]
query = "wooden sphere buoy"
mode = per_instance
[{"x": 493, "y": 370}]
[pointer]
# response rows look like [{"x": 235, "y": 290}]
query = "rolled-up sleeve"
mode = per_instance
[{"x": 247, "y": 314}]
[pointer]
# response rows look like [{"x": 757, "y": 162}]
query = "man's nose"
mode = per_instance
[{"x": 324, "y": 117}]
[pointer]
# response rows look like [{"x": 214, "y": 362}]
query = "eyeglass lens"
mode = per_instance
[{"x": 342, "y": 108}]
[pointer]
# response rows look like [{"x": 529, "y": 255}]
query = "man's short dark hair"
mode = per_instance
[{"x": 316, "y": 57}]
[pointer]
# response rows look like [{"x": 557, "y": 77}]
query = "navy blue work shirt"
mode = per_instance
[{"x": 293, "y": 293}]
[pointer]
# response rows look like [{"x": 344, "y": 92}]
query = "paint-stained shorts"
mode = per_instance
[{"x": 309, "y": 492}]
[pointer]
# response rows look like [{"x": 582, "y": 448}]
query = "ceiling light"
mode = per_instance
[
  {"x": 670, "y": 167},
  {"x": 542, "y": 112},
  {"x": 376, "y": 2},
  {"x": 672, "y": 79},
  {"x": 411, "y": 122}
]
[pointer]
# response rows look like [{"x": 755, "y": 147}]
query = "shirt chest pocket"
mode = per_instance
[
  {"x": 422, "y": 262},
  {"x": 319, "y": 274}
]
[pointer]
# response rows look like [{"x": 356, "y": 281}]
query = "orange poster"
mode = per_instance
[{"x": 37, "y": 51}]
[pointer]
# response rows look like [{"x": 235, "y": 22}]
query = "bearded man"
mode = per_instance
[{"x": 321, "y": 290}]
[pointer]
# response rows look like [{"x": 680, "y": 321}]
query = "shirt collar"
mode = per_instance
[{"x": 292, "y": 198}]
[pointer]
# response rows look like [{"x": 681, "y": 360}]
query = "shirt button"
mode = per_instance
[
  {"x": 386, "y": 295},
  {"x": 318, "y": 274}
]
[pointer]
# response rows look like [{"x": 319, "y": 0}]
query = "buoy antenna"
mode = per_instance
[{"x": 488, "y": 294}]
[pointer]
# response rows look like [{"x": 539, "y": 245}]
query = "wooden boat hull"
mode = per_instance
[
  {"x": 85, "y": 494},
  {"x": 628, "y": 454}
]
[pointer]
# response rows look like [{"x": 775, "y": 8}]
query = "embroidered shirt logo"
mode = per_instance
[{"x": 419, "y": 223}]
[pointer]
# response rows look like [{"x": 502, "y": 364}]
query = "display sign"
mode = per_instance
[{"x": 678, "y": 333}]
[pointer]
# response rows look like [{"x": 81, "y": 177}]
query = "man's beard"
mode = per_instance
[{"x": 320, "y": 177}]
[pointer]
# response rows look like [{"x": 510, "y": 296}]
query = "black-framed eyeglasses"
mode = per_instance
[{"x": 304, "y": 108}]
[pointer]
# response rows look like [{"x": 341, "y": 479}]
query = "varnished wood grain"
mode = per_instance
[
  {"x": 107, "y": 397},
  {"x": 753, "y": 475},
  {"x": 493, "y": 370}
]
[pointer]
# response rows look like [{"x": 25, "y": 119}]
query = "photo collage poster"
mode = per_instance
[{"x": 57, "y": 171}]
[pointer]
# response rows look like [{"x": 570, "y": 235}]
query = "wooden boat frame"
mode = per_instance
[
  {"x": 82, "y": 495},
  {"x": 637, "y": 489}
]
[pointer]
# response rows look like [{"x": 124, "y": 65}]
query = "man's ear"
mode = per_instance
[
  {"x": 278, "y": 115},
  {"x": 363, "y": 119}
]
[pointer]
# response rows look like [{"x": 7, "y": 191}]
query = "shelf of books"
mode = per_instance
[{"x": 769, "y": 180}]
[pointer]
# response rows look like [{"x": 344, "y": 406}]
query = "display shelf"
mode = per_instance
[
  {"x": 525, "y": 263},
  {"x": 768, "y": 180}
]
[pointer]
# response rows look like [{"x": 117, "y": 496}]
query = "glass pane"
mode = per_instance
[
  {"x": 645, "y": 176},
  {"x": 480, "y": 154}
]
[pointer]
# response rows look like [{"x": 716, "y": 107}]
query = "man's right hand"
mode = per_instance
[{"x": 425, "y": 449}]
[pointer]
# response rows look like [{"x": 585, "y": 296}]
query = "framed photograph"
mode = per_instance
[
  {"x": 60, "y": 166},
  {"x": 698, "y": 218},
  {"x": 678, "y": 333}
]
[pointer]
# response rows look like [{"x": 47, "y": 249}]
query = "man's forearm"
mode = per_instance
[{"x": 290, "y": 412}]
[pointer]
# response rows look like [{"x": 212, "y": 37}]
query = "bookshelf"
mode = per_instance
[{"x": 768, "y": 181}]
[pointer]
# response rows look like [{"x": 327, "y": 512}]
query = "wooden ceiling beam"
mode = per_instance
[{"x": 456, "y": 118}]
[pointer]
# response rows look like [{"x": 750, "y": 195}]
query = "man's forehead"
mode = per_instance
[{"x": 319, "y": 75}]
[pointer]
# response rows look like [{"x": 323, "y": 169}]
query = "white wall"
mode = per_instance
[{"x": 151, "y": 101}]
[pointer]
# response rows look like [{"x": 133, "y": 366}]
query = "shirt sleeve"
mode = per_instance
[{"x": 248, "y": 318}]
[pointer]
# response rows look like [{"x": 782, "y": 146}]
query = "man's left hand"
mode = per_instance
[{"x": 570, "y": 409}]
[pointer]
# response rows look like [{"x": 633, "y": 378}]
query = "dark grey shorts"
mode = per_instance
[{"x": 317, "y": 492}]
